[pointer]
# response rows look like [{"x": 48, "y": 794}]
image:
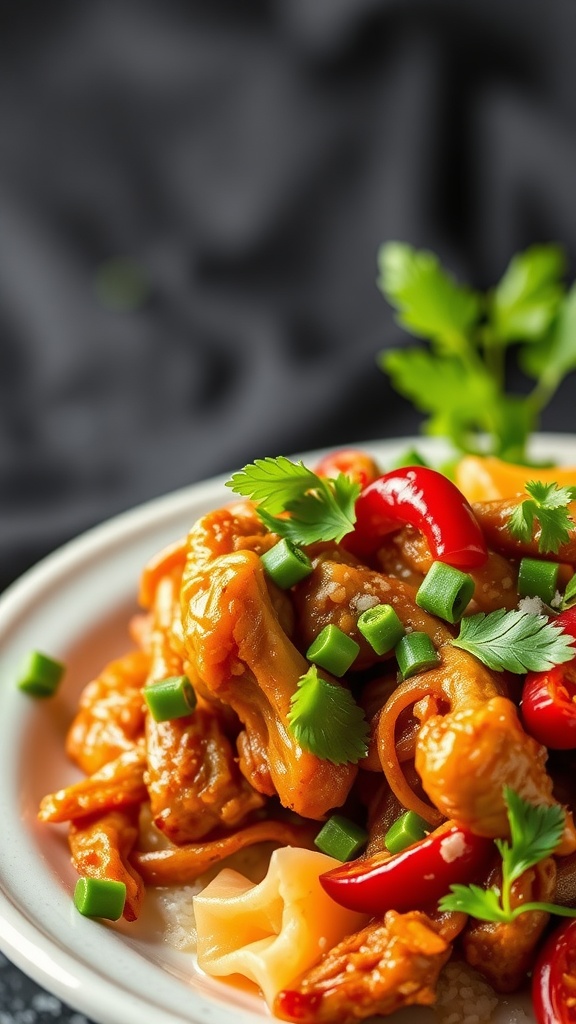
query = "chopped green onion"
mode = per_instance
[
  {"x": 415, "y": 653},
  {"x": 341, "y": 838},
  {"x": 409, "y": 828},
  {"x": 333, "y": 650},
  {"x": 169, "y": 698},
  {"x": 40, "y": 675},
  {"x": 100, "y": 897},
  {"x": 381, "y": 627},
  {"x": 286, "y": 564},
  {"x": 445, "y": 592},
  {"x": 538, "y": 579}
]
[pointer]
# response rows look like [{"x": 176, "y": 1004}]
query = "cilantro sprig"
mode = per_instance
[
  {"x": 320, "y": 509},
  {"x": 325, "y": 720},
  {"x": 515, "y": 641},
  {"x": 535, "y": 832},
  {"x": 457, "y": 378},
  {"x": 547, "y": 507}
]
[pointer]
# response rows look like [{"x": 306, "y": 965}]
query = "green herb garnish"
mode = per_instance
[
  {"x": 569, "y": 594},
  {"x": 548, "y": 507},
  {"x": 459, "y": 380},
  {"x": 515, "y": 641},
  {"x": 535, "y": 832},
  {"x": 320, "y": 509},
  {"x": 326, "y": 720}
]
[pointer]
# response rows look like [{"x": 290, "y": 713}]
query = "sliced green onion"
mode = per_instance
[
  {"x": 100, "y": 897},
  {"x": 409, "y": 828},
  {"x": 333, "y": 650},
  {"x": 40, "y": 675},
  {"x": 538, "y": 579},
  {"x": 381, "y": 627},
  {"x": 286, "y": 564},
  {"x": 341, "y": 838},
  {"x": 415, "y": 653},
  {"x": 169, "y": 698},
  {"x": 445, "y": 592}
]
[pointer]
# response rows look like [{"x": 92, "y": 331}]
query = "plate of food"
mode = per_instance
[{"x": 282, "y": 718}]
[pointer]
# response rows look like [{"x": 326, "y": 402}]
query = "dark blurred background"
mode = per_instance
[{"x": 192, "y": 196}]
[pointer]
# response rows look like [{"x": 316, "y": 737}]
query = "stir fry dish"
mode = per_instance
[{"x": 371, "y": 673}]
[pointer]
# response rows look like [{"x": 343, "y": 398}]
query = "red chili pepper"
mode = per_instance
[
  {"x": 297, "y": 1006},
  {"x": 549, "y": 698},
  {"x": 412, "y": 879},
  {"x": 427, "y": 500},
  {"x": 354, "y": 463},
  {"x": 554, "y": 978}
]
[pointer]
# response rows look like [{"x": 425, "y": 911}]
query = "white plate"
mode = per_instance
[{"x": 76, "y": 605}]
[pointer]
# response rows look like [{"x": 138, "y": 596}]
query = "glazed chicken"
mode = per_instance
[
  {"x": 494, "y": 516},
  {"x": 469, "y": 719},
  {"x": 388, "y": 965},
  {"x": 504, "y": 951},
  {"x": 240, "y": 655}
]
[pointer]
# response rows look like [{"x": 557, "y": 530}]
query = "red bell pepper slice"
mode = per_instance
[
  {"x": 353, "y": 462},
  {"x": 427, "y": 500},
  {"x": 415, "y": 878},
  {"x": 548, "y": 705},
  {"x": 554, "y": 978}
]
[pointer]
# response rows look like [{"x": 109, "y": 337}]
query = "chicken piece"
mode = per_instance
[
  {"x": 469, "y": 715},
  {"x": 180, "y": 865},
  {"x": 165, "y": 659},
  {"x": 504, "y": 951},
  {"x": 489, "y": 741},
  {"x": 100, "y": 848},
  {"x": 236, "y": 528},
  {"x": 338, "y": 592},
  {"x": 193, "y": 780},
  {"x": 110, "y": 716},
  {"x": 494, "y": 517},
  {"x": 120, "y": 783},
  {"x": 387, "y": 965},
  {"x": 170, "y": 561},
  {"x": 495, "y": 582},
  {"x": 243, "y": 657}
]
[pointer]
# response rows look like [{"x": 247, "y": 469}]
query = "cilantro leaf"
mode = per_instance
[
  {"x": 430, "y": 303},
  {"x": 525, "y": 301},
  {"x": 483, "y": 904},
  {"x": 547, "y": 507},
  {"x": 514, "y": 641},
  {"x": 529, "y": 308},
  {"x": 273, "y": 482},
  {"x": 325, "y": 720},
  {"x": 320, "y": 509},
  {"x": 535, "y": 832},
  {"x": 554, "y": 356},
  {"x": 456, "y": 401}
]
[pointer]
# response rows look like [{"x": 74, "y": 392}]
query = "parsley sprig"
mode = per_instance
[
  {"x": 458, "y": 379},
  {"x": 320, "y": 509},
  {"x": 535, "y": 832},
  {"x": 515, "y": 641},
  {"x": 325, "y": 720},
  {"x": 547, "y": 506}
]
